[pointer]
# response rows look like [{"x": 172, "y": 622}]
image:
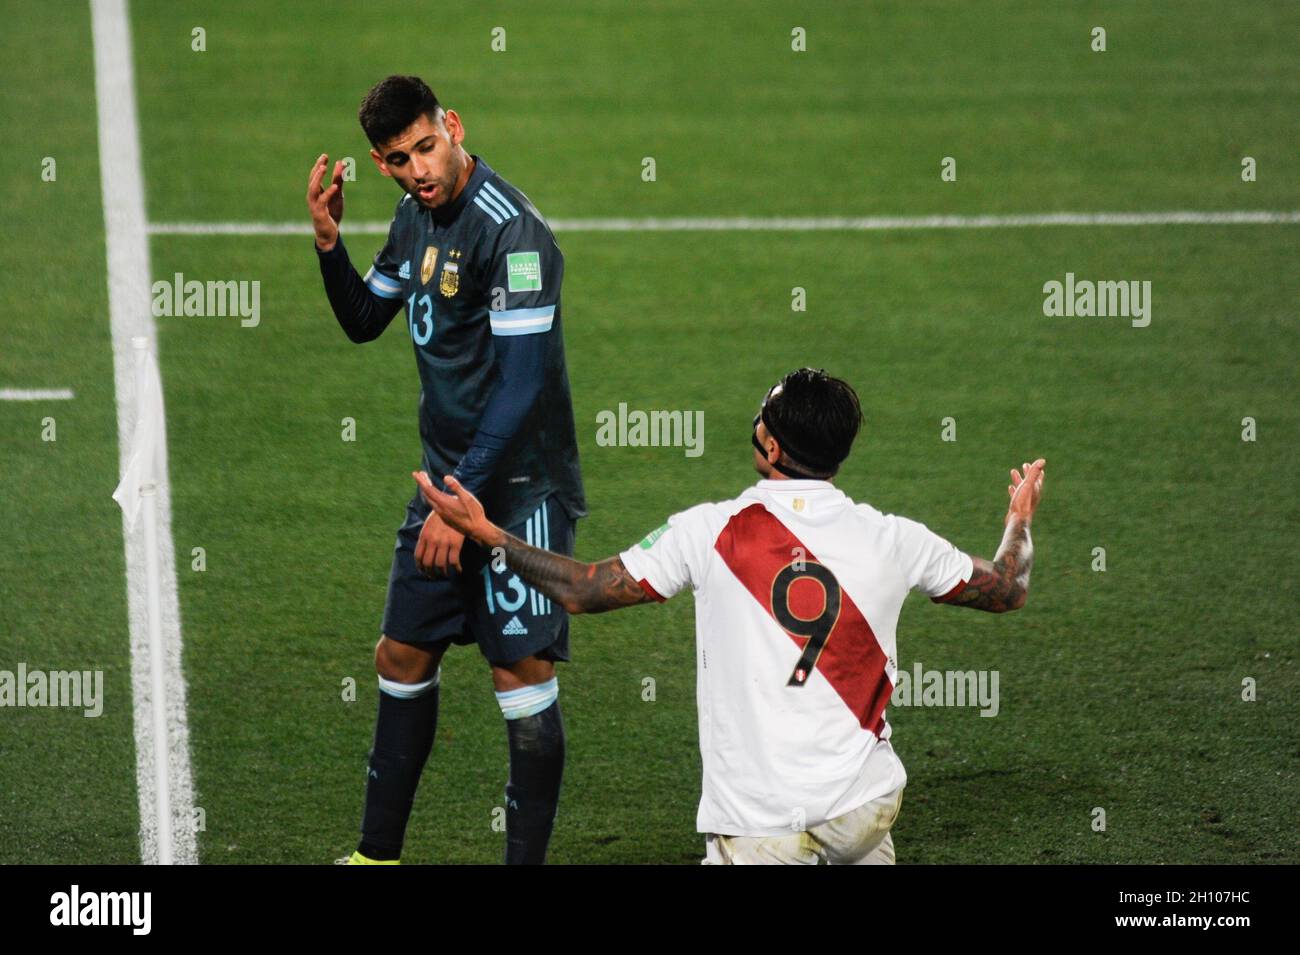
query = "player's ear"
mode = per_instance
[
  {"x": 379, "y": 163},
  {"x": 455, "y": 131}
]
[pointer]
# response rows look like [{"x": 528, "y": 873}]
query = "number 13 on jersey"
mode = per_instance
[{"x": 420, "y": 314}]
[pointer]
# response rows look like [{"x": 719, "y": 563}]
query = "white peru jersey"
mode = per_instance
[{"x": 797, "y": 596}]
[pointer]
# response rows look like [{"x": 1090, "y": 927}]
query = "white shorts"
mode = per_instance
[{"x": 860, "y": 837}]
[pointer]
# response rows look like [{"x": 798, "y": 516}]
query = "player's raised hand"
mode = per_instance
[
  {"x": 460, "y": 510},
  {"x": 325, "y": 203},
  {"x": 1025, "y": 490}
]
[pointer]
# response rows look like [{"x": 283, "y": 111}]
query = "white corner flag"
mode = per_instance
[
  {"x": 141, "y": 474},
  {"x": 137, "y": 492}
]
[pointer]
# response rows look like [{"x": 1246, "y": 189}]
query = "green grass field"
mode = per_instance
[{"x": 1120, "y": 690}]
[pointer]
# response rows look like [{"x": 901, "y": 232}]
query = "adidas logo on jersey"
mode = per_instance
[
  {"x": 405, "y": 271},
  {"x": 514, "y": 628}
]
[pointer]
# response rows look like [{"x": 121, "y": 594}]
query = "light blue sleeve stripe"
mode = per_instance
[
  {"x": 483, "y": 197},
  {"x": 522, "y": 321},
  {"x": 383, "y": 280},
  {"x": 382, "y": 285},
  {"x": 478, "y": 201},
  {"x": 496, "y": 194}
]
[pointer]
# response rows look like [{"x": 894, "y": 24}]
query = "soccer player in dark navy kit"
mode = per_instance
[{"x": 478, "y": 271}]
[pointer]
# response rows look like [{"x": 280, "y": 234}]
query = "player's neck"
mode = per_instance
[{"x": 466, "y": 171}]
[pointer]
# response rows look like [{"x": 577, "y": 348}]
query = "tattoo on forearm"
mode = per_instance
[
  {"x": 577, "y": 586},
  {"x": 1003, "y": 584}
]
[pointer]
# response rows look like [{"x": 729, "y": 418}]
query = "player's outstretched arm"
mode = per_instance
[
  {"x": 362, "y": 314},
  {"x": 578, "y": 587},
  {"x": 1003, "y": 584}
]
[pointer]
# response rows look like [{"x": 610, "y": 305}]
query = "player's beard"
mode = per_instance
[{"x": 446, "y": 186}]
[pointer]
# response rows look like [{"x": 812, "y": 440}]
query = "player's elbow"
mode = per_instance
[
  {"x": 359, "y": 334},
  {"x": 1017, "y": 599}
]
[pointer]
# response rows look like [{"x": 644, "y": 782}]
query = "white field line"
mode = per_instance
[
  {"x": 36, "y": 394},
  {"x": 804, "y": 224},
  {"x": 130, "y": 315}
]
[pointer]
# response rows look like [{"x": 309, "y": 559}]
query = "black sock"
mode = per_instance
[
  {"x": 533, "y": 792},
  {"x": 403, "y": 737}
]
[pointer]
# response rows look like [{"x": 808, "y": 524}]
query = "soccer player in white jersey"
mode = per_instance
[{"x": 797, "y": 596}]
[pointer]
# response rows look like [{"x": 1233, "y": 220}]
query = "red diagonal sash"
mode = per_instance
[{"x": 758, "y": 548}]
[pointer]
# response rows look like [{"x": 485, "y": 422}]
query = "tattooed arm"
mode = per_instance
[
  {"x": 1004, "y": 584},
  {"x": 578, "y": 587}
]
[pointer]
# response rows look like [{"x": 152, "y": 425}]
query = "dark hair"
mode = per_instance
[
  {"x": 393, "y": 104},
  {"x": 814, "y": 419}
]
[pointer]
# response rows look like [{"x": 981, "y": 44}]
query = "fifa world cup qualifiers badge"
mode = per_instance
[
  {"x": 525, "y": 271},
  {"x": 426, "y": 267},
  {"x": 450, "y": 281}
]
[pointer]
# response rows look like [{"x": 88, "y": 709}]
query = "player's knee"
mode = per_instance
[
  {"x": 530, "y": 671},
  {"x": 403, "y": 663}
]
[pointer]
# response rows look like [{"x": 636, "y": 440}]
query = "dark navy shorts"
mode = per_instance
[{"x": 482, "y": 604}]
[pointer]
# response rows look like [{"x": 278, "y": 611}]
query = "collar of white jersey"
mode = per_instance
[{"x": 795, "y": 484}]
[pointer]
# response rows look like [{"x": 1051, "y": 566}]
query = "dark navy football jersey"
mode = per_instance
[{"x": 483, "y": 266}]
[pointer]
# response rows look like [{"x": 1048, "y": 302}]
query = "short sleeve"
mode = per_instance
[
  {"x": 662, "y": 561},
  {"x": 527, "y": 267},
  {"x": 930, "y": 563},
  {"x": 384, "y": 277}
]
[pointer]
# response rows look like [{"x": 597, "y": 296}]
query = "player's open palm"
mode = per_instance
[
  {"x": 1025, "y": 490},
  {"x": 460, "y": 510},
  {"x": 325, "y": 202}
]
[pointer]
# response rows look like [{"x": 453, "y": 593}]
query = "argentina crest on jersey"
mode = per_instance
[
  {"x": 449, "y": 284},
  {"x": 426, "y": 267}
]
